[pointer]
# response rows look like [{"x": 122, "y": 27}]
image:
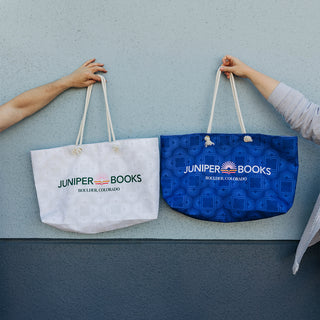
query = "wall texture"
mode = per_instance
[{"x": 161, "y": 57}]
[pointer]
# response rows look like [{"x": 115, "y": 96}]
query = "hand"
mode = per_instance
[
  {"x": 85, "y": 75},
  {"x": 234, "y": 65},
  {"x": 262, "y": 82}
]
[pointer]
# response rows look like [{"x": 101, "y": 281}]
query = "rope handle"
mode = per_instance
[
  {"x": 236, "y": 103},
  {"x": 77, "y": 149}
]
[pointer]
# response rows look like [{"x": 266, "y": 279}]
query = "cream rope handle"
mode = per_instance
[
  {"x": 77, "y": 149},
  {"x": 109, "y": 122},
  {"x": 236, "y": 103}
]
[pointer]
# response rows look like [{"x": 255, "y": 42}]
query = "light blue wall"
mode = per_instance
[{"x": 161, "y": 57}]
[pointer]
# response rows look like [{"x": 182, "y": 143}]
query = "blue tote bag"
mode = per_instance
[{"x": 229, "y": 177}]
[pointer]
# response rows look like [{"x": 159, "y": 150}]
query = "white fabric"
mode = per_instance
[
  {"x": 100, "y": 187},
  {"x": 303, "y": 116},
  {"x": 311, "y": 235}
]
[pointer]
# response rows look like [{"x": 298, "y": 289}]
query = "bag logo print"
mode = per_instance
[
  {"x": 101, "y": 181},
  {"x": 229, "y": 167},
  {"x": 84, "y": 181}
]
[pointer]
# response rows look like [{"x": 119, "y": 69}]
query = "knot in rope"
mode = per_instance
[
  {"x": 76, "y": 150},
  {"x": 208, "y": 142}
]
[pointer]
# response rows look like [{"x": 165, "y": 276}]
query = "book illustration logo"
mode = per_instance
[
  {"x": 228, "y": 167},
  {"x": 101, "y": 181}
]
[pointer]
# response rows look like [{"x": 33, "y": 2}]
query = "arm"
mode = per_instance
[
  {"x": 35, "y": 99},
  {"x": 262, "y": 82},
  {"x": 302, "y": 115}
]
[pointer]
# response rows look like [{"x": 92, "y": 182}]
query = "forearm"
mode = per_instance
[
  {"x": 30, "y": 102},
  {"x": 262, "y": 82},
  {"x": 35, "y": 99}
]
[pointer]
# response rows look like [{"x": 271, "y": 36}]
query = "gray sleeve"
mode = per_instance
[{"x": 302, "y": 115}]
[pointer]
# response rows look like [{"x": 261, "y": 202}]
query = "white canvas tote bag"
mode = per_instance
[{"x": 91, "y": 188}]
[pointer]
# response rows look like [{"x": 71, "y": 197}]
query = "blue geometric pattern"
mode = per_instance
[{"x": 231, "y": 180}]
